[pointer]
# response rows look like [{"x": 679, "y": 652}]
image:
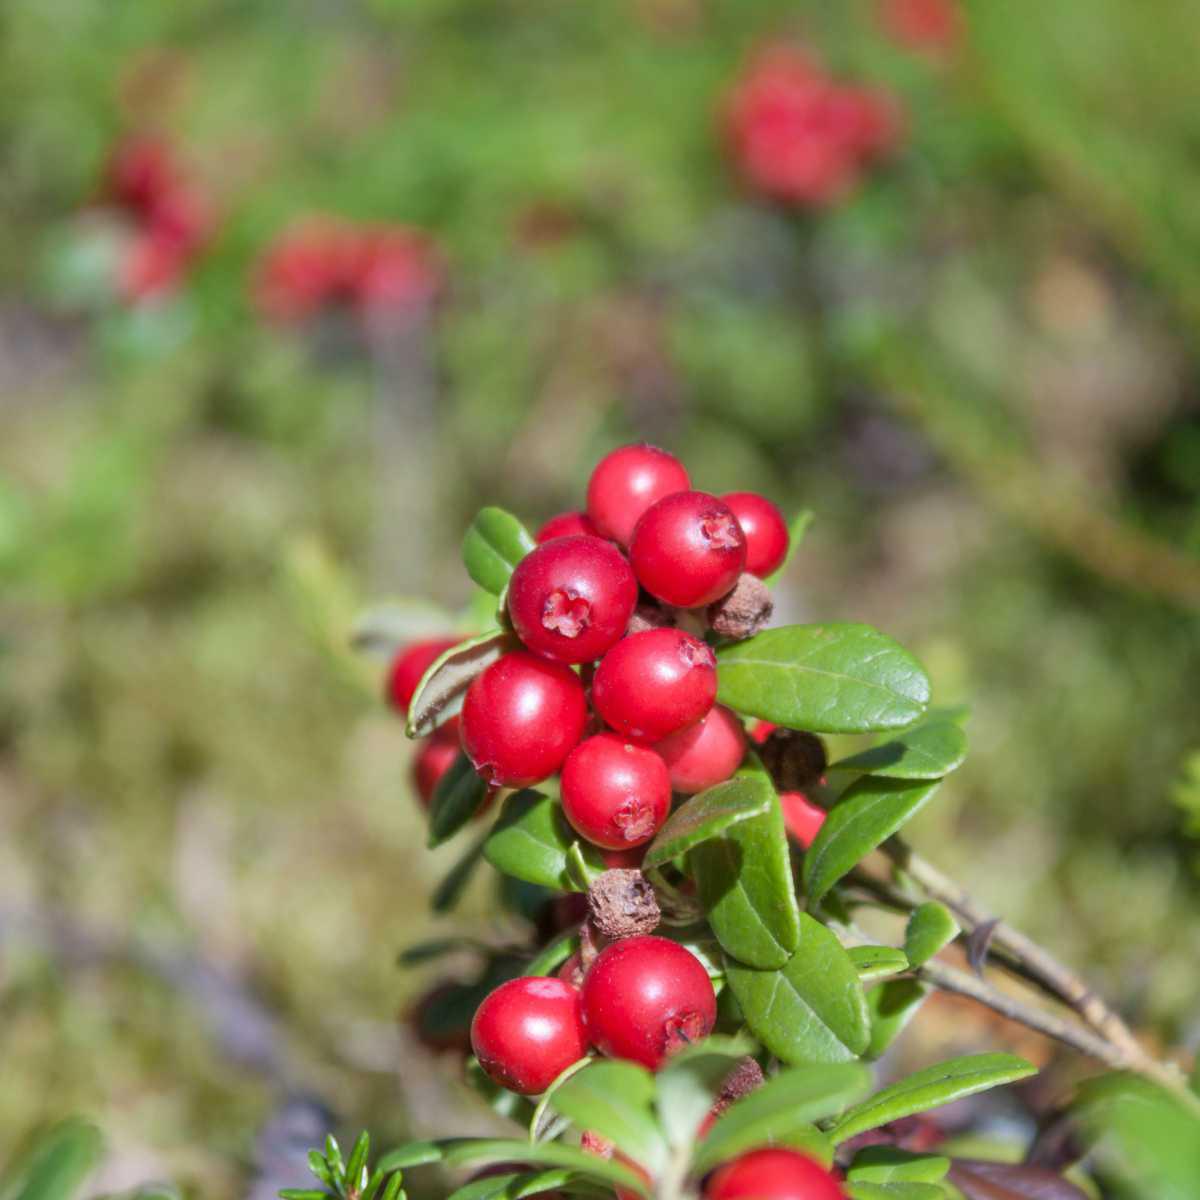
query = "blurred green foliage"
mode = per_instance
[{"x": 980, "y": 372}]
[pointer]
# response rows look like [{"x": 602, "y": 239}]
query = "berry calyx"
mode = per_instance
[
  {"x": 774, "y": 1174},
  {"x": 688, "y": 549},
  {"x": 521, "y": 718},
  {"x": 571, "y": 598},
  {"x": 627, "y": 482},
  {"x": 652, "y": 684},
  {"x": 766, "y": 531},
  {"x": 434, "y": 758},
  {"x": 566, "y": 524},
  {"x": 645, "y": 998},
  {"x": 409, "y": 665},
  {"x": 802, "y": 817},
  {"x": 704, "y": 754},
  {"x": 615, "y": 794},
  {"x": 527, "y": 1032}
]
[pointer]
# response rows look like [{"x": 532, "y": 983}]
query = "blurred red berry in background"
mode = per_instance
[{"x": 934, "y": 26}]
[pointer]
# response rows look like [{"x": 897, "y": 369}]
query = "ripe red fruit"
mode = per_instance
[
  {"x": 761, "y": 730},
  {"x": 615, "y": 794},
  {"x": 802, "y": 817},
  {"x": 645, "y": 998},
  {"x": 773, "y": 1175},
  {"x": 765, "y": 529},
  {"x": 706, "y": 753},
  {"x": 527, "y": 1032},
  {"x": 572, "y": 598},
  {"x": 521, "y": 718},
  {"x": 652, "y": 684},
  {"x": 566, "y": 524},
  {"x": 688, "y": 549},
  {"x": 626, "y": 482},
  {"x": 409, "y": 665},
  {"x": 434, "y": 758}
]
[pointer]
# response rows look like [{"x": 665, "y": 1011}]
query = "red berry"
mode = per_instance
[
  {"x": 527, "y": 1032},
  {"x": 654, "y": 683},
  {"x": 566, "y": 524},
  {"x": 802, "y": 817},
  {"x": 572, "y": 598},
  {"x": 521, "y": 718},
  {"x": 761, "y": 730},
  {"x": 409, "y": 665},
  {"x": 645, "y": 998},
  {"x": 765, "y": 529},
  {"x": 614, "y": 793},
  {"x": 626, "y": 482},
  {"x": 434, "y": 758},
  {"x": 688, "y": 549},
  {"x": 773, "y": 1175},
  {"x": 706, "y": 753}
]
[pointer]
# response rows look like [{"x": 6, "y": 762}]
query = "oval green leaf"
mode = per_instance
[
  {"x": 927, "y": 751},
  {"x": 932, "y": 1088},
  {"x": 440, "y": 694},
  {"x": 930, "y": 929},
  {"x": 877, "y": 962},
  {"x": 890, "y": 1164},
  {"x": 837, "y": 678},
  {"x": 812, "y": 1010},
  {"x": 457, "y": 798},
  {"x": 895, "y": 1191},
  {"x": 708, "y": 815},
  {"x": 892, "y": 1006},
  {"x": 531, "y": 839},
  {"x": 869, "y": 812},
  {"x": 492, "y": 546}
]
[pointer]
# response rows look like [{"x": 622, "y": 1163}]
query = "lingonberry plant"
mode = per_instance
[{"x": 698, "y": 1012}]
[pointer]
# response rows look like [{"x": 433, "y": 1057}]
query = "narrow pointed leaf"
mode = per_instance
[
  {"x": 707, "y": 816},
  {"x": 837, "y": 678},
  {"x": 458, "y": 797},
  {"x": 411, "y": 1154},
  {"x": 812, "y": 1010},
  {"x": 932, "y": 1088},
  {"x": 616, "y": 1100},
  {"x": 548, "y": 960},
  {"x": 869, "y": 812},
  {"x": 440, "y": 694},
  {"x": 487, "y": 1151},
  {"x": 530, "y": 841},
  {"x": 892, "y": 1006},
  {"x": 877, "y": 962},
  {"x": 930, "y": 929},
  {"x": 56, "y": 1164},
  {"x": 492, "y": 546},
  {"x": 927, "y": 751},
  {"x": 358, "y": 1156}
]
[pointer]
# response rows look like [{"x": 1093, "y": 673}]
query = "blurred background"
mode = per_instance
[{"x": 288, "y": 291}]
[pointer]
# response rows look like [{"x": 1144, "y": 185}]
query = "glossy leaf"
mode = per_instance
[
  {"x": 931, "y": 927},
  {"x": 782, "y": 1112},
  {"x": 411, "y": 1154},
  {"x": 837, "y": 678},
  {"x": 980, "y": 1180},
  {"x": 744, "y": 879},
  {"x": 877, "y": 962},
  {"x": 869, "y": 812},
  {"x": 614, "y": 1099},
  {"x": 457, "y": 798},
  {"x": 707, "y": 815},
  {"x": 797, "y": 528},
  {"x": 56, "y": 1164},
  {"x": 492, "y": 546},
  {"x": 927, "y": 751},
  {"x": 932, "y": 1088},
  {"x": 440, "y": 694},
  {"x": 583, "y": 873},
  {"x": 530, "y": 841},
  {"x": 892, "y": 1006},
  {"x": 688, "y": 1085},
  {"x": 554, "y": 954},
  {"x": 488, "y": 1151},
  {"x": 890, "y": 1164},
  {"x": 895, "y": 1191},
  {"x": 811, "y": 1010}
]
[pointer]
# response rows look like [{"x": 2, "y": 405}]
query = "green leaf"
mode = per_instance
[
  {"x": 812, "y": 1010},
  {"x": 448, "y": 893},
  {"x": 877, "y": 962},
  {"x": 540, "y": 1124},
  {"x": 583, "y": 874},
  {"x": 530, "y": 841},
  {"x": 516, "y": 1184},
  {"x": 706, "y": 816},
  {"x": 895, "y": 1191},
  {"x": 927, "y": 751},
  {"x": 889, "y": 1164},
  {"x": 616, "y": 1100},
  {"x": 797, "y": 528},
  {"x": 892, "y": 1006},
  {"x": 303, "y": 1194},
  {"x": 838, "y": 678},
  {"x": 411, "y": 1154},
  {"x": 782, "y": 1112},
  {"x": 553, "y": 955},
  {"x": 458, "y": 797},
  {"x": 440, "y": 694},
  {"x": 869, "y": 812},
  {"x": 486, "y": 1151},
  {"x": 493, "y": 545},
  {"x": 56, "y": 1164},
  {"x": 358, "y": 1156},
  {"x": 932, "y": 1088},
  {"x": 930, "y": 929},
  {"x": 744, "y": 879},
  {"x": 688, "y": 1085}
]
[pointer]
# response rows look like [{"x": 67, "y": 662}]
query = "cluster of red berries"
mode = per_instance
[
  {"x": 172, "y": 217},
  {"x": 799, "y": 136},
  {"x": 323, "y": 260}
]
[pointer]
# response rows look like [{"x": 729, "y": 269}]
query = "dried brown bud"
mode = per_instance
[
  {"x": 623, "y": 904},
  {"x": 741, "y": 1081},
  {"x": 743, "y": 611},
  {"x": 649, "y": 616},
  {"x": 795, "y": 761}
]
